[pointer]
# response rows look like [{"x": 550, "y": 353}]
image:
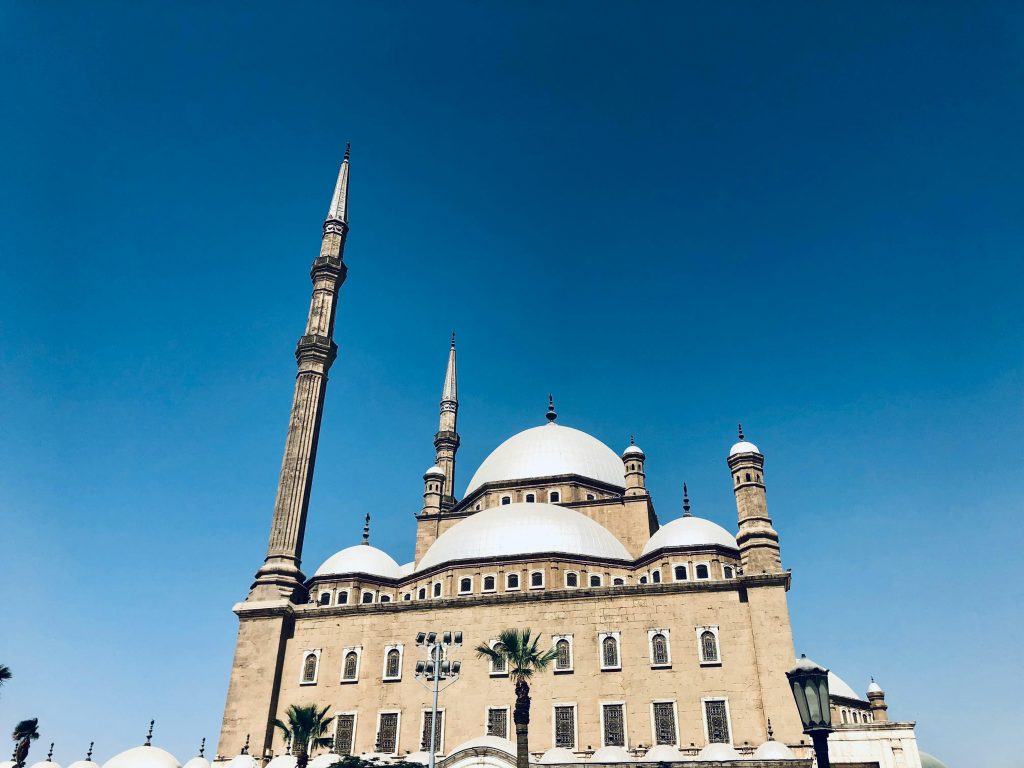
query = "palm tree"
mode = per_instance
[
  {"x": 5, "y": 674},
  {"x": 24, "y": 734},
  {"x": 521, "y": 657},
  {"x": 306, "y": 729}
]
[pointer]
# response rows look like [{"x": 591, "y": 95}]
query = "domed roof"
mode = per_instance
[
  {"x": 611, "y": 755},
  {"x": 689, "y": 532},
  {"x": 838, "y": 687},
  {"x": 202, "y": 762},
  {"x": 434, "y": 471},
  {"x": 557, "y": 755},
  {"x": 76, "y": 764},
  {"x": 360, "y": 558},
  {"x": 773, "y": 750},
  {"x": 520, "y": 529},
  {"x": 930, "y": 761},
  {"x": 874, "y": 687},
  {"x": 46, "y": 764},
  {"x": 547, "y": 451},
  {"x": 143, "y": 757},
  {"x": 718, "y": 752},
  {"x": 633, "y": 450},
  {"x": 492, "y": 742},
  {"x": 324, "y": 761},
  {"x": 281, "y": 761},
  {"x": 663, "y": 753},
  {"x": 743, "y": 447},
  {"x": 8, "y": 764},
  {"x": 242, "y": 761}
]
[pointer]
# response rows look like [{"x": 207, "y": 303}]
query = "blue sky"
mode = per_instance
[{"x": 805, "y": 217}]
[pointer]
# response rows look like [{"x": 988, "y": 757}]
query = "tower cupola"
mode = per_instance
[
  {"x": 633, "y": 459},
  {"x": 876, "y": 698},
  {"x": 758, "y": 541},
  {"x": 433, "y": 488}
]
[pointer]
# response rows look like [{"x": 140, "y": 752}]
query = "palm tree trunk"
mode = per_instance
[
  {"x": 521, "y": 717},
  {"x": 301, "y": 758}
]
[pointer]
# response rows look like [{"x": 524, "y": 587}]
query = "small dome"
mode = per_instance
[
  {"x": 434, "y": 471},
  {"x": 324, "y": 761},
  {"x": 611, "y": 755},
  {"x": 281, "y": 761},
  {"x": 242, "y": 761},
  {"x": 520, "y": 529},
  {"x": 45, "y": 764},
  {"x": 557, "y": 755},
  {"x": 76, "y": 764},
  {"x": 547, "y": 451},
  {"x": 718, "y": 752},
  {"x": 838, "y": 687},
  {"x": 633, "y": 450},
  {"x": 8, "y": 764},
  {"x": 202, "y": 762},
  {"x": 143, "y": 757},
  {"x": 422, "y": 758},
  {"x": 492, "y": 742},
  {"x": 743, "y": 447},
  {"x": 360, "y": 558},
  {"x": 874, "y": 687},
  {"x": 773, "y": 750},
  {"x": 690, "y": 532},
  {"x": 663, "y": 753},
  {"x": 930, "y": 761}
]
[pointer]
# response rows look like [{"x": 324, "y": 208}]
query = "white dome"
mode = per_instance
[
  {"x": 557, "y": 755},
  {"x": 281, "y": 761},
  {"x": 773, "y": 750},
  {"x": 46, "y": 764},
  {"x": 874, "y": 687},
  {"x": 324, "y": 761},
  {"x": 434, "y": 471},
  {"x": 743, "y": 447},
  {"x": 663, "y": 753},
  {"x": 611, "y": 755},
  {"x": 547, "y": 451},
  {"x": 718, "y": 752},
  {"x": 521, "y": 529},
  {"x": 242, "y": 761},
  {"x": 76, "y": 764},
  {"x": 417, "y": 757},
  {"x": 690, "y": 532},
  {"x": 838, "y": 687},
  {"x": 633, "y": 450},
  {"x": 360, "y": 558},
  {"x": 202, "y": 762},
  {"x": 8, "y": 764},
  {"x": 493, "y": 742},
  {"x": 143, "y": 757}
]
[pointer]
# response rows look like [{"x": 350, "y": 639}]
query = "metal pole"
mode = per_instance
[
  {"x": 435, "y": 653},
  {"x": 820, "y": 740}
]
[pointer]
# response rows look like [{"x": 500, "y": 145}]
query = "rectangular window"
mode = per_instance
[
  {"x": 614, "y": 725},
  {"x": 497, "y": 722},
  {"x": 425, "y": 737},
  {"x": 664, "y": 722},
  {"x": 387, "y": 733},
  {"x": 717, "y": 719},
  {"x": 344, "y": 735},
  {"x": 565, "y": 727}
]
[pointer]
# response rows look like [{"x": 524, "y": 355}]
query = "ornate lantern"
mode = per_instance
[{"x": 809, "y": 682}]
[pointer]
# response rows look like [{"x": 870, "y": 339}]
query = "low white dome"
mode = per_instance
[
  {"x": 773, "y": 750},
  {"x": 718, "y": 752},
  {"x": 422, "y": 758},
  {"x": 324, "y": 761},
  {"x": 8, "y": 764},
  {"x": 493, "y": 742},
  {"x": 201, "y": 762},
  {"x": 521, "y": 529},
  {"x": 611, "y": 755},
  {"x": 743, "y": 447},
  {"x": 360, "y": 558},
  {"x": 143, "y": 757},
  {"x": 663, "y": 753},
  {"x": 434, "y": 471},
  {"x": 874, "y": 687},
  {"x": 557, "y": 755},
  {"x": 689, "y": 532},
  {"x": 76, "y": 764},
  {"x": 838, "y": 687},
  {"x": 242, "y": 761},
  {"x": 46, "y": 764},
  {"x": 547, "y": 451},
  {"x": 281, "y": 761},
  {"x": 633, "y": 450},
  {"x": 930, "y": 761}
]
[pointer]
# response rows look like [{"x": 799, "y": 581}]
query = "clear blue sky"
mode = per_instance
[{"x": 805, "y": 217}]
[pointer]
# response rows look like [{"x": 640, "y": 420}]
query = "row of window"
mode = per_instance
[
  {"x": 659, "y": 649},
  {"x": 664, "y": 723},
  {"x": 849, "y": 715},
  {"x": 536, "y": 580}
]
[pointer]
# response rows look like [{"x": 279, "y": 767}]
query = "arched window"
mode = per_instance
[
  {"x": 506, "y": 500},
  {"x": 554, "y": 497},
  {"x": 643, "y": 579},
  {"x": 512, "y": 581},
  {"x": 702, "y": 572},
  {"x": 572, "y": 580},
  {"x": 843, "y": 715},
  {"x": 659, "y": 649},
  {"x": 563, "y": 658},
  {"x": 407, "y": 596},
  {"x": 595, "y": 580},
  {"x": 537, "y": 579},
  {"x": 531, "y": 498},
  {"x": 498, "y": 664},
  {"x": 488, "y": 583},
  {"x": 609, "y": 652},
  {"x": 351, "y": 665},
  {"x": 747, "y": 477},
  {"x": 708, "y": 646},
  {"x": 680, "y": 573},
  {"x": 393, "y": 661},
  {"x": 367, "y": 597},
  {"x": 727, "y": 570},
  {"x": 342, "y": 597},
  {"x": 618, "y": 581},
  {"x": 590, "y": 497},
  {"x": 385, "y": 598},
  {"x": 437, "y": 589},
  {"x": 465, "y": 585},
  {"x": 656, "y": 577},
  {"x": 422, "y": 594},
  {"x": 309, "y": 669},
  {"x": 325, "y": 598}
]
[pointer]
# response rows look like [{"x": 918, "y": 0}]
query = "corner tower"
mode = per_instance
[
  {"x": 446, "y": 440},
  {"x": 280, "y": 575},
  {"x": 758, "y": 541}
]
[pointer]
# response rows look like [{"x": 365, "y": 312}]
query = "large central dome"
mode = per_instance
[{"x": 547, "y": 451}]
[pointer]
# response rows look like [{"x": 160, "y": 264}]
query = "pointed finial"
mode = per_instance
[
  {"x": 49, "y": 755},
  {"x": 88, "y": 755},
  {"x": 686, "y": 502},
  {"x": 149, "y": 734},
  {"x": 771, "y": 733},
  {"x": 202, "y": 747},
  {"x": 740, "y": 430},
  {"x": 631, "y": 441},
  {"x": 348, "y": 151},
  {"x": 245, "y": 748},
  {"x": 453, "y": 339},
  {"x": 366, "y": 529},
  {"x": 551, "y": 415}
]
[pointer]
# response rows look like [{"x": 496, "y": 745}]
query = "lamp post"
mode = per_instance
[
  {"x": 809, "y": 682},
  {"x": 435, "y": 668}
]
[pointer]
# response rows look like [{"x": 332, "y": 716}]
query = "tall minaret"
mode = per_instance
[
  {"x": 446, "y": 441},
  {"x": 759, "y": 542},
  {"x": 280, "y": 576}
]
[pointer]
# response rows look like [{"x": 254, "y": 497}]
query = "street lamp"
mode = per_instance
[
  {"x": 809, "y": 682},
  {"x": 435, "y": 668}
]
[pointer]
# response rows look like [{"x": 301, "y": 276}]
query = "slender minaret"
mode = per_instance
[
  {"x": 446, "y": 441},
  {"x": 759, "y": 542},
  {"x": 280, "y": 576}
]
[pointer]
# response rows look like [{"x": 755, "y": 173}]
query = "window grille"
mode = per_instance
[
  {"x": 367, "y": 597},
  {"x": 488, "y": 583},
  {"x": 309, "y": 669},
  {"x": 614, "y": 726},
  {"x": 718, "y": 721},
  {"x": 465, "y": 585},
  {"x": 656, "y": 577},
  {"x": 530, "y": 498},
  {"x": 325, "y": 598},
  {"x": 346, "y": 725},
  {"x": 680, "y": 573},
  {"x": 437, "y": 589},
  {"x": 385, "y": 598},
  {"x": 343, "y": 597},
  {"x": 351, "y": 663},
  {"x": 394, "y": 660},
  {"x": 422, "y": 594},
  {"x": 702, "y": 572},
  {"x": 512, "y": 581},
  {"x": 536, "y": 579},
  {"x": 387, "y": 733},
  {"x": 595, "y": 581},
  {"x": 708, "y": 646},
  {"x": 498, "y": 664},
  {"x": 618, "y": 582},
  {"x": 664, "y": 723},
  {"x": 497, "y": 723},
  {"x": 571, "y": 580},
  {"x": 564, "y": 658},
  {"x": 425, "y": 738},
  {"x": 554, "y": 497},
  {"x": 610, "y": 652},
  {"x": 565, "y": 727},
  {"x": 728, "y": 571},
  {"x": 659, "y": 649}
]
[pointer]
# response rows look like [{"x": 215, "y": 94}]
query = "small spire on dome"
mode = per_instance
[
  {"x": 88, "y": 755},
  {"x": 366, "y": 530},
  {"x": 202, "y": 747},
  {"x": 149, "y": 734},
  {"x": 551, "y": 415},
  {"x": 771, "y": 733},
  {"x": 631, "y": 442},
  {"x": 245, "y": 748},
  {"x": 740, "y": 430},
  {"x": 348, "y": 151},
  {"x": 49, "y": 755},
  {"x": 453, "y": 339},
  {"x": 686, "y": 502}
]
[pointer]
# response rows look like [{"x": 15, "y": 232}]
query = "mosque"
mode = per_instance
[{"x": 672, "y": 637}]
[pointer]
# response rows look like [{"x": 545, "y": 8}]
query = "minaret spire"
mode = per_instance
[
  {"x": 686, "y": 502},
  {"x": 366, "y": 530},
  {"x": 280, "y": 576},
  {"x": 551, "y": 415},
  {"x": 446, "y": 441}
]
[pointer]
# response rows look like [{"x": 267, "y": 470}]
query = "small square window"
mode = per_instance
[
  {"x": 489, "y": 583},
  {"x": 465, "y": 585},
  {"x": 512, "y": 581},
  {"x": 536, "y": 579},
  {"x": 531, "y": 498},
  {"x": 554, "y": 497},
  {"x": 595, "y": 580},
  {"x": 572, "y": 579}
]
